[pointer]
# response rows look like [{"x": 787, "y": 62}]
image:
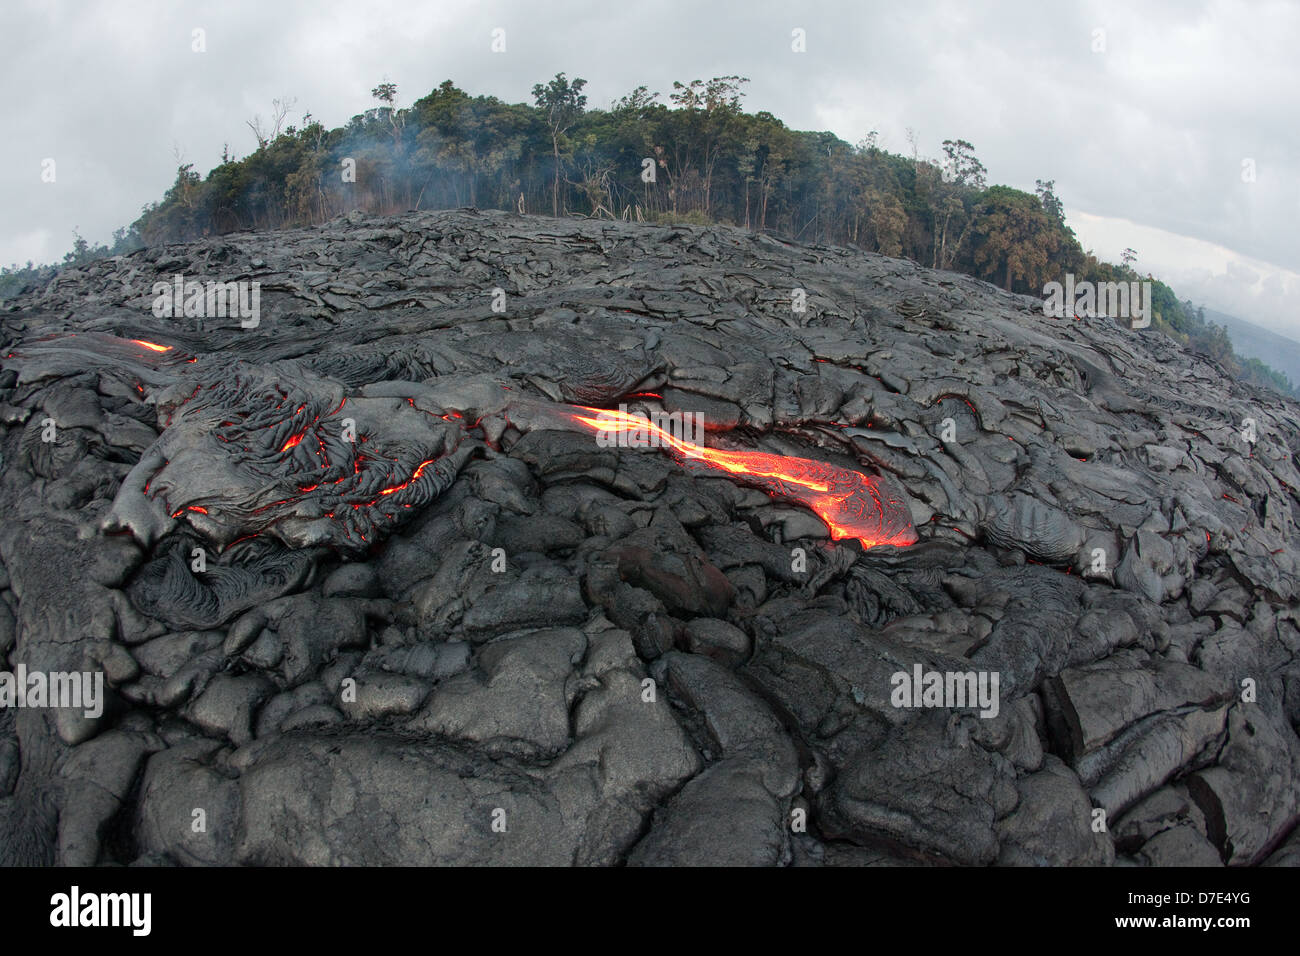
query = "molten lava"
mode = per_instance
[
  {"x": 151, "y": 346},
  {"x": 853, "y": 505},
  {"x": 294, "y": 441},
  {"x": 414, "y": 476}
]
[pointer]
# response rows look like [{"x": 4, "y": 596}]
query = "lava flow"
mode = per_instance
[
  {"x": 152, "y": 347},
  {"x": 853, "y": 505}
]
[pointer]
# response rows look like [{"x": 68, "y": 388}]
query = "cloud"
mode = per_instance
[{"x": 1207, "y": 273}]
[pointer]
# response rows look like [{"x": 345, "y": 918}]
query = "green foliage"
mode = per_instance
[
  {"x": 1055, "y": 209},
  {"x": 1014, "y": 237},
  {"x": 961, "y": 165},
  {"x": 561, "y": 104},
  {"x": 16, "y": 279}
]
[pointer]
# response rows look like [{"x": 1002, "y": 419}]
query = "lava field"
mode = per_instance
[{"x": 496, "y": 539}]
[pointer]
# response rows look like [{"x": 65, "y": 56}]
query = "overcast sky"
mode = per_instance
[{"x": 1151, "y": 127}]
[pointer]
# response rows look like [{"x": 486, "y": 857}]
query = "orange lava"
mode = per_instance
[
  {"x": 853, "y": 505},
  {"x": 416, "y": 474},
  {"x": 151, "y": 346}
]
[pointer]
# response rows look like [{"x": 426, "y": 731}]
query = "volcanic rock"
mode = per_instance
[{"x": 391, "y": 576}]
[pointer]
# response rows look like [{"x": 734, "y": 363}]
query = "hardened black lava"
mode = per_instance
[{"x": 363, "y": 588}]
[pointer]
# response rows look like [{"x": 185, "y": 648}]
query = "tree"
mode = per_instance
[
  {"x": 80, "y": 247},
  {"x": 279, "y": 110},
  {"x": 941, "y": 189},
  {"x": 888, "y": 220},
  {"x": 766, "y": 155},
  {"x": 912, "y": 140},
  {"x": 722, "y": 96},
  {"x": 710, "y": 115},
  {"x": 1127, "y": 258},
  {"x": 386, "y": 93},
  {"x": 1051, "y": 204},
  {"x": 562, "y": 103},
  {"x": 637, "y": 102},
  {"x": 950, "y": 206},
  {"x": 1016, "y": 237},
  {"x": 962, "y": 165}
]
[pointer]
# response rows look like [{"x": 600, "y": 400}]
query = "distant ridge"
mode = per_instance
[{"x": 1254, "y": 341}]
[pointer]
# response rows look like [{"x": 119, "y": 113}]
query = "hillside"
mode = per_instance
[
  {"x": 700, "y": 158},
  {"x": 1255, "y": 341}
]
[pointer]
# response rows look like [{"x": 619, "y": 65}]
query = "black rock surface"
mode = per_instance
[{"x": 363, "y": 591}]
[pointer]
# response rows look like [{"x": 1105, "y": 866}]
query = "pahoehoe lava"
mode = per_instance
[{"x": 370, "y": 551}]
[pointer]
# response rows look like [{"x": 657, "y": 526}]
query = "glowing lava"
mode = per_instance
[
  {"x": 415, "y": 475},
  {"x": 151, "y": 346},
  {"x": 853, "y": 505},
  {"x": 294, "y": 441}
]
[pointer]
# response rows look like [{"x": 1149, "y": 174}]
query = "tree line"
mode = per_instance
[{"x": 697, "y": 158}]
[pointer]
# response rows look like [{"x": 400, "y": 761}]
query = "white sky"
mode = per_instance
[{"x": 1145, "y": 139}]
